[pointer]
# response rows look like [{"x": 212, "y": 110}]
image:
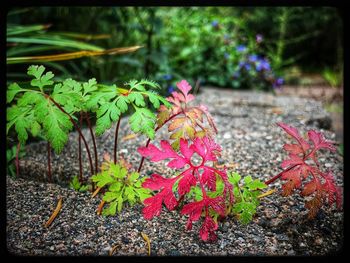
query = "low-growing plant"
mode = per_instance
[
  {"x": 302, "y": 171},
  {"x": 123, "y": 185},
  {"x": 77, "y": 186},
  {"x": 48, "y": 108}
]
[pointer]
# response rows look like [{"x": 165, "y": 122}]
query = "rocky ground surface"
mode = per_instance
[{"x": 252, "y": 145}]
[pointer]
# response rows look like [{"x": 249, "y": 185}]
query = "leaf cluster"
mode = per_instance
[
  {"x": 121, "y": 186},
  {"x": 187, "y": 122},
  {"x": 246, "y": 196},
  {"x": 109, "y": 102}
]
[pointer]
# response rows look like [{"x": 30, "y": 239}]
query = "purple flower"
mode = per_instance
[
  {"x": 258, "y": 66},
  {"x": 280, "y": 81},
  {"x": 167, "y": 77},
  {"x": 241, "y": 48},
  {"x": 215, "y": 23},
  {"x": 247, "y": 66},
  {"x": 171, "y": 88},
  {"x": 253, "y": 58},
  {"x": 241, "y": 64},
  {"x": 236, "y": 74},
  {"x": 259, "y": 38},
  {"x": 262, "y": 64}
]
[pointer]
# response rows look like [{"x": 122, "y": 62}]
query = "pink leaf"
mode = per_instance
[{"x": 185, "y": 88}]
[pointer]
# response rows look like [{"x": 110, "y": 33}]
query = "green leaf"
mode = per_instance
[
  {"x": 89, "y": 86},
  {"x": 143, "y": 120},
  {"x": 137, "y": 98},
  {"x": 107, "y": 113},
  {"x": 102, "y": 179},
  {"x": 234, "y": 178},
  {"x": 35, "y": 128},
  {"x": 247, "y": 179},
  {"x": 120, "y": 203},
  {"x": 134, "y": 176},
  {"x": 68, "y": 95},
  {"x": 115, "y": 187},
  {"x": 40, "y": 80},
  {"x": 122, "y": 102},
  {"x": 84, "y": 188},
  {"x": 110, "y": 196},
  {"x": 143, "y": 193},
  {"x": 256, "y": 184},
  {"x": 75, "y": 184},
  {"x": 130, "y": 194},
  {"x": 11, "y": 92},
  {"x": 21, "y": 118},
  {"x": 111, "y": 210},
  {"x": 56, "y": 124}
]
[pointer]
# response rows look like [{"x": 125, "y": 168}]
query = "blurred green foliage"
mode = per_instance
[{"x": 221, "y": 46}]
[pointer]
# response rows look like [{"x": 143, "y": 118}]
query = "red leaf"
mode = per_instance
[
  {"x": 293, "y": 175},
  {"x": 309, "y": 188},
  {"x": 295, "y": 134},
  {"x": 156, "y": 154},
  {"x": 153, "y": 205},
  {"x": 293, "y": 148},
  {"x": 207, "y": 230},
  {"x": 319, "y": 142},
  {"x": 208, "y": 178},
  {"x": 194, "y": 210},
  {"x": 186, "y": 182},
  {"x": 293, "y": 160},
  {"x": 333, "y": 191},
  {"x": 186, "y": 151}
]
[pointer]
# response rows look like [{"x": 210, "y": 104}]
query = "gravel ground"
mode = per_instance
[{"x": 251, "y": 142}]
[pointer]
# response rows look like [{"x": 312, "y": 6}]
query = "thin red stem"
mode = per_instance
[
  {"x": 79, "y": 152},
  {"x": 49, "y": 162},
  {"x": 79, "y": 131},
  {"x": 279, "y": 175},
  {"x": 116, "y": 140},
  {"x": 290, "y": 168},
  {"x": 93, "y": 140},
  {"x": 17, "y": 159}
]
